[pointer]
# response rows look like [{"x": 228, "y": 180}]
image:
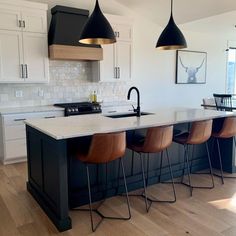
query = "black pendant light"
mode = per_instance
[
  {"x": 171, "y": 37},
  {"x": 97, "y": 30}
]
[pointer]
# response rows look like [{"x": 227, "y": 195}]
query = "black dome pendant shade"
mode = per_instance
[
  {"x": 97, "y": 30},
  {"x": 171, "y": 37}
]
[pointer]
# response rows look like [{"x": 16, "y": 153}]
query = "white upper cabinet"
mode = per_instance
[
  {"x": 117, "y": 58},
  {"x": 10, "y": 19},
  {"x": 23, "y": 42},
  {"x": 34, "y": 21},
  {"x": 11, "y": 56},
  {"x": 123, "y": 60},
  {"x": 123, "y": 32},
  {"x": 35, "y": 57}
]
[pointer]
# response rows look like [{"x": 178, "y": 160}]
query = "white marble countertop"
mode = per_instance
[
  {"x": 84, "y": 125},
  {"x": 17, "y": 110}
]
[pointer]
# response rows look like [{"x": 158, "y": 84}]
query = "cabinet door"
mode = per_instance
[
  {"x": 107, "y": 65},
  {"x": 34, "y": 21},
  {"x": 35, "y": 57},
  {"x": 11, "y": 56},
  {"x": 122, "y": 32},
  {"x": 123, "y": 59},
  {"x": 9, "y": 19}
]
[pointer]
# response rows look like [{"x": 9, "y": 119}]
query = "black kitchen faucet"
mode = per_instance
[{"x": 138, "y": 98}]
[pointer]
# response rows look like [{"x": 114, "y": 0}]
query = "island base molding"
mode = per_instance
[{"x": 61, "y": 224}]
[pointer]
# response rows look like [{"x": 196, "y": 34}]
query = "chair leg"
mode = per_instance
[
  {"x": 118, "y": 177},
  {"x": 210, "y": 166},
  {"x": 148, "y": 159},
  {"x": 132, "y": 164},
  {"x": 91, "y": 210},
  {"x": 211, "y": 172},
  {"x": 172, "y": 182},
  {"x": 144, "y": 185},
  {"x": 161, "y": 167},
  {"x": 183, "y": 170},
  {"x": 126, "y": 189},
  {"x": 90, "y": 202},
  {"x": 220, "y": 161},
  {"x": 171, "y": 174},
  {"x": 192, "y": 158},
  {"x": 188, "y": 169}
]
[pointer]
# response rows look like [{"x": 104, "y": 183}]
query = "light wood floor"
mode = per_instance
[{"x": 207, "y": 213}]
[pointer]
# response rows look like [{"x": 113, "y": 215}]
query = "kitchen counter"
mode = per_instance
[
  {"x": 57, "y": 179},
  {"x": 78, "y": 126},
  {"x": 16, "y": 110}
]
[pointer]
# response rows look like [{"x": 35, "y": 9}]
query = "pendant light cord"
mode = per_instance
[{"x": 171, "y": 7}]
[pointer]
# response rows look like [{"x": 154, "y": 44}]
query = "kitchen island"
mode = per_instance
[{"x": 56, "y": 180}]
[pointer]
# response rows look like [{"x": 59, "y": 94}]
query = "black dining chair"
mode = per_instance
[{"x": 223, "y": 102}]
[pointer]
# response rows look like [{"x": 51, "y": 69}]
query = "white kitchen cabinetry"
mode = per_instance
[
  {"x": 23, "y": 42},
  {"x": 117, "y": 58},
  {"x": 13, "y": 134}
]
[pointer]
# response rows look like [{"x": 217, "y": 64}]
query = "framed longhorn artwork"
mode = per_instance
[{"x": 190, "y": 67}]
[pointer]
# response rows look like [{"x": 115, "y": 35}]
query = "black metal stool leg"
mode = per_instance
[
  {"x": 144, "y": 186},
  {"x": 118, "y": 177},
  {"x": 183, "y": 170},
  {"x": 188, "y": 169},
  {"x": 172, "y": 182},
  {"x": 220, "y": 161},
  {"x": 132, "y": 164},
  {"x": 192, "y": 158},
  {"x": 91, "y": 210},
  {"x": 90, "y": 203},
  {"x": 171, "y": 174},
  {"x": 161, "y": 166},
  {"x": 210, "y": 166},
  {"x": 148, "y": 160},
  {"x": 126, "y": 189},
  {"x": 211, "y": 172}
]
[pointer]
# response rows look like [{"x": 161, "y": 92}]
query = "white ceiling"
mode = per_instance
[{"x": 184, "y": 10}]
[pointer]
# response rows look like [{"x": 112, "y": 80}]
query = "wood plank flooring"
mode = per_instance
[{"x": 207, "y": 213}]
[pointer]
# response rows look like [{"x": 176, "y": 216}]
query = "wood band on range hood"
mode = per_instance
[{"x": 66, "y": 52}]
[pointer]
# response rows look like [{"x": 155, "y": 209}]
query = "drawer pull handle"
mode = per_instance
[
  {"x": 112, "y": 111},
  {"x": 49, "y": 117},
  {"x": 19, "y": 119}
]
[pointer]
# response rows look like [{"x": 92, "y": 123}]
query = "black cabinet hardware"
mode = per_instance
[
  {"x": 20, "y": 119},
  {"x": 49, "y": 117}
]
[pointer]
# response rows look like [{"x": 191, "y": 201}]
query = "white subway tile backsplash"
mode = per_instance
[{"x": 69, "y": 81}]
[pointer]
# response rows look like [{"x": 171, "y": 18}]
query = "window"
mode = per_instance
[{"x": 231, "y": 71}]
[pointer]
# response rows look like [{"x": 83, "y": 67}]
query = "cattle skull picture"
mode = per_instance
[{"x": 191, "y": 67}]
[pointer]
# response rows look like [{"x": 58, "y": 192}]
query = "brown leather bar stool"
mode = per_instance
[
  {"x": 228, "y": 130},
  {"x": 157, "y": 140},
  {"x": 104, "y": 148},
  {"x": 199, "y": 133}
]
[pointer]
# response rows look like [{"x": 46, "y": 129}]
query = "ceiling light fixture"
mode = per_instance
[
  {"x": 97, "y": 30},
  {"x": 171, "y": 37}
]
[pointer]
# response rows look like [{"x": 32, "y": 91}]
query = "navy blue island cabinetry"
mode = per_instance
[{"x": 58, "y": 181}]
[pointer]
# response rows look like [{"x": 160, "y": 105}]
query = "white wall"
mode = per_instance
[{"x": 154, "y": 71}]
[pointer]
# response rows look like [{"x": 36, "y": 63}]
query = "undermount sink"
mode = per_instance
[{"x": 128, "y": 115}]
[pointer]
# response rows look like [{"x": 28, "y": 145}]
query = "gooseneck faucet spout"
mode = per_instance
[{"x": 138, "y": 100}]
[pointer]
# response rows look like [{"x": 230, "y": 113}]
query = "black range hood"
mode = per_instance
[{"x": 64, "y": 33}]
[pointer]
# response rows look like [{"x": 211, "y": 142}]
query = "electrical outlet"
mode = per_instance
[
  {"x": 18, "y": 93},
  {"x": 40, "y": 93}
]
